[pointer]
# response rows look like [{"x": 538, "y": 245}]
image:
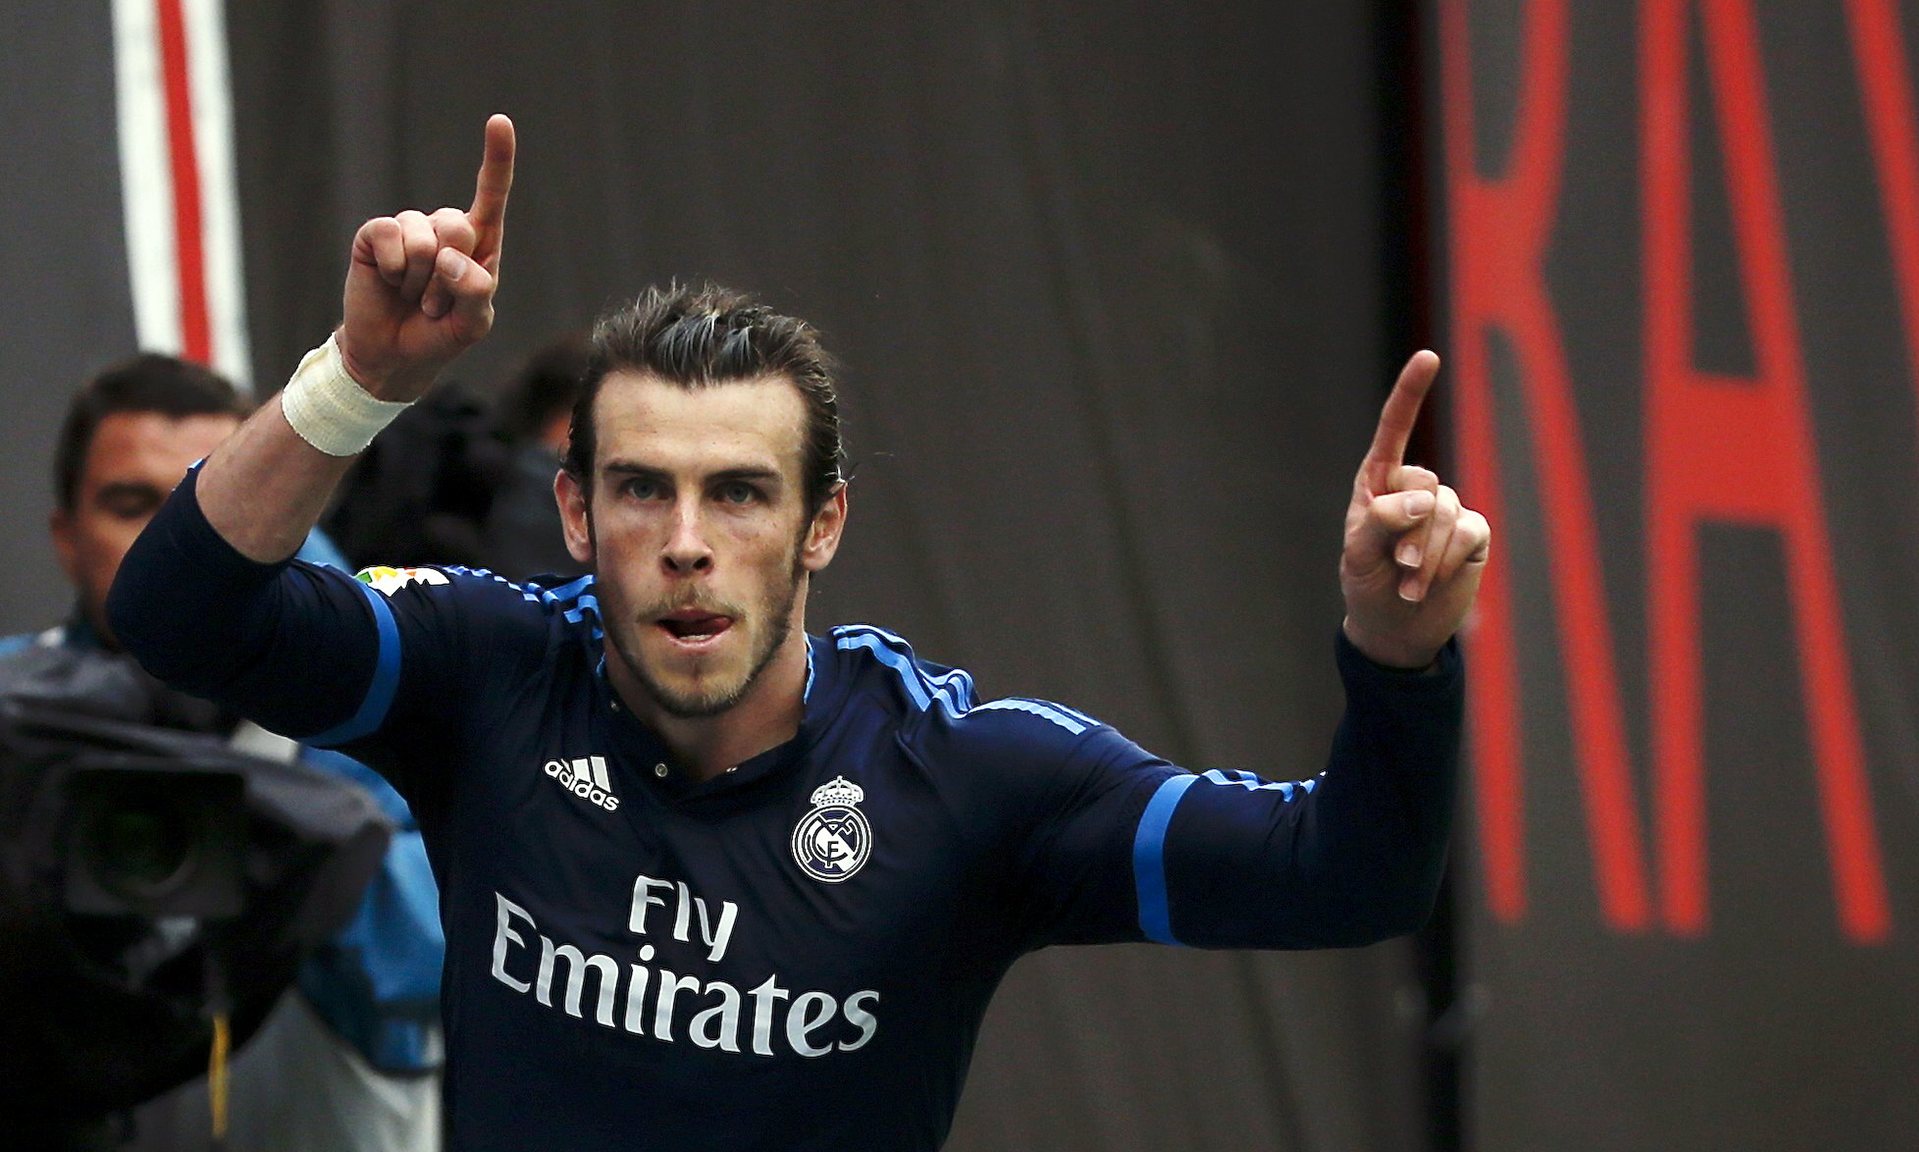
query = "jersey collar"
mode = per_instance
[{"x": 822, "y": 694}]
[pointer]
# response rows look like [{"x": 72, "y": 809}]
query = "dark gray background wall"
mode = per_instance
[
  {"x": 63, "y": 266},
  {"x": 1110, "y": 285}
]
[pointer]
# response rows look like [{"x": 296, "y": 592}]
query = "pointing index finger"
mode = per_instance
[
  {"x": 488, "y": 213},
  {"x": 1397, "y": 418}
]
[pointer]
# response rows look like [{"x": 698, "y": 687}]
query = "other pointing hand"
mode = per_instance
[
  {"x": 419, "y": 289},
  {"x": 1413, "y": 554}
]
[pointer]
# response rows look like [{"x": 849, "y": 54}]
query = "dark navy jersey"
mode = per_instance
[{"x": 797, "y": 953}]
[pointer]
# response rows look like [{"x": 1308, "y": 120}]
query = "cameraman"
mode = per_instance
[{"x": 350, "y": 1060}]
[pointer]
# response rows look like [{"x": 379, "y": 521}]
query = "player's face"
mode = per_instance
[
  {"x": 135, "y": 459},
  {"x": 699, "y": 534}
]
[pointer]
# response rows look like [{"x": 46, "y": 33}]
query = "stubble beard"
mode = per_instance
[
  {"x": 778, "y": 612},
  {"x": 699, "y": 705}
]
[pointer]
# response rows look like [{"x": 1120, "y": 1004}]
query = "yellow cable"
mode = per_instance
[{"x": 217, "y": 1076}]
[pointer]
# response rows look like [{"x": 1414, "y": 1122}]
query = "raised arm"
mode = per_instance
[
  {"x": 1138, "y": 849},
  {"x": 206, "y": 598},
  {"x": 1414, "y": 555},
  {"x": 419, "y": 291}
]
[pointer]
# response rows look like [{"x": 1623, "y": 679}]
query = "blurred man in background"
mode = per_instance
[
  {"x": 522, "y": 536},
  {"x": 457, "y": 480},
  {"x": 350, "y": 1060}
]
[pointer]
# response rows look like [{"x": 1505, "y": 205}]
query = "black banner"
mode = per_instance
[{"x": 1683, "y": 279}]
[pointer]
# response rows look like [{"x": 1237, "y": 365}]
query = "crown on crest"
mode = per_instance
[{"x": 838, "y": 793}]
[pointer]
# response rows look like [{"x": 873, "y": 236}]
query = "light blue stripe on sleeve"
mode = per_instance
[
  {"x": 953, "y": 689},
  {"x": 386, "y": 678},
  {"x": 1287, "y": 789},
  {"x": 1037, "y": 709},
  {"x": 902, "y": 667},
  {"x": 1149, "y": 858}
]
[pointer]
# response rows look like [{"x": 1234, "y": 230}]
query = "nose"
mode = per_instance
[{"x": 686, "y": 550}]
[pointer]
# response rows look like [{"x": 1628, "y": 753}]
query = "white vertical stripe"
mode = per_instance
[
  {"x": 209, "y": 82},
  {"x": 146, "y": 184},
  {"x": 599, "y": 773}
]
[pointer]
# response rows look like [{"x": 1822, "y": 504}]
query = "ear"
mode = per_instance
[
  {"x": 823, "y": 535},
  {"x": 66, "y": 544},
  {"x": 575, "y": 518}
]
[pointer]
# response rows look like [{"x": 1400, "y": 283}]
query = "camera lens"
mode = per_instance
[
  {"x": 141, "y": 847},
  {"x": 146, "y": 842}
]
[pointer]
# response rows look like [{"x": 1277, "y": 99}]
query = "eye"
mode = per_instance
[
  {"x": 737, "y": 492},
  {"x": 642, "y": 488},
  {"x": 124, "y": 502}
]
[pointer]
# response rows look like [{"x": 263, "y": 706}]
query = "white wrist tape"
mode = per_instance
[{"x": 329, "y": 409}]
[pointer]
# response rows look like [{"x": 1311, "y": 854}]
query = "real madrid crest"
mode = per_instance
[{"x": 834, "y": 839}]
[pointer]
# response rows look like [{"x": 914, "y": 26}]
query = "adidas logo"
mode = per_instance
[{"x": 585, "y": 777}]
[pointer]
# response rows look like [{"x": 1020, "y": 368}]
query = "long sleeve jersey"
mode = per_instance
[{"x": 795, "y": 954}]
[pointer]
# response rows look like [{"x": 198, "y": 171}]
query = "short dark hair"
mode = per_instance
[
  {"x": 149, "y": 382},
  {"x": 700, "y": 335}
]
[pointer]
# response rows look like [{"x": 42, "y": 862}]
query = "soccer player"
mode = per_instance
[{"x": 709, "y": 882}]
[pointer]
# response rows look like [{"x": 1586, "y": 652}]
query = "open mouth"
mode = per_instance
[{"x": 694, "y": 627}]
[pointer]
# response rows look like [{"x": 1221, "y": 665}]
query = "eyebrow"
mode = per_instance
[{"x": 744, "y": 472}]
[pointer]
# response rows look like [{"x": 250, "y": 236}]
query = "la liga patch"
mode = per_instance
[{"x": 387, "y": 581}]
